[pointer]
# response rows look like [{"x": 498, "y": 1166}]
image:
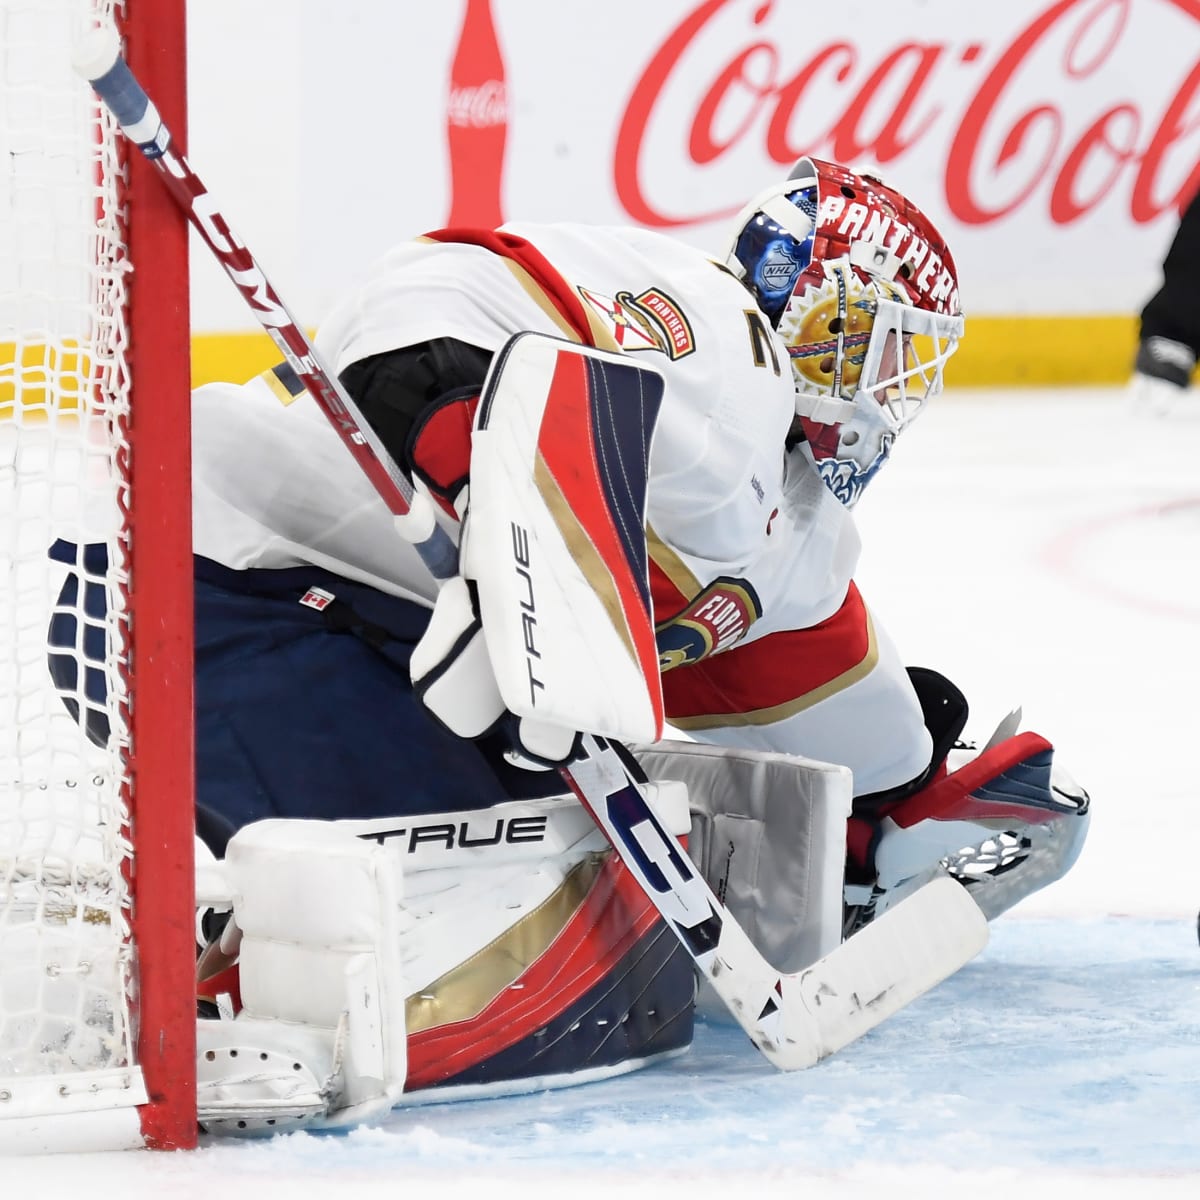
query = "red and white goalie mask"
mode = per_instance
[{"x": 863, "y": 290}]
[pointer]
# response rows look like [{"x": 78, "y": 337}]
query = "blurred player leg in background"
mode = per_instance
[{"x": 1169, "y": 342}]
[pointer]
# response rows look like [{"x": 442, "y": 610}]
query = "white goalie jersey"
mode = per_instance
[{"x": 763, "y": 639}]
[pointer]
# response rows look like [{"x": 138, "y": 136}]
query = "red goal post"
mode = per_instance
[{"x": 97, "y": 917}]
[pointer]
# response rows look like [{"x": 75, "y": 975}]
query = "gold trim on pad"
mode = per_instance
[{"x": 465, "y": 990}]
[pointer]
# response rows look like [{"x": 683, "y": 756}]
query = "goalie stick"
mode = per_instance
[
  {"x": 795, "y": 1019},
  {"x": 98, "y": 59}
]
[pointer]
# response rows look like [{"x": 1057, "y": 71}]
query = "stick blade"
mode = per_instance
[{"x": 874, "y": 974}]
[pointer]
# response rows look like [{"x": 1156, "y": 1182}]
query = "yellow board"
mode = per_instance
[
  {"x": 44, "y": 375},
  {"x": 1044, "y": 351},
  {"x": 1026, "y": 351},
  {"x": 1054, "y": 351}
]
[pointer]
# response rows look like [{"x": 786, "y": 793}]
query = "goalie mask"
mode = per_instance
[{"x": 862, "y": 289}]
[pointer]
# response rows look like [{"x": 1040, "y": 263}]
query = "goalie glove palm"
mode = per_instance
[{"x": 452, "y": 676}]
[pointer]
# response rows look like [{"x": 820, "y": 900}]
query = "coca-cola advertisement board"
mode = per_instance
[{"x": 1054, "y": 142}]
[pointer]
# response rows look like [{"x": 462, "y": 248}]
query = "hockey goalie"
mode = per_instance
[{"x": 402, "y": 898}]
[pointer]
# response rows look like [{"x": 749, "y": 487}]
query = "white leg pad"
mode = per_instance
[
  {"x": 321, "y": 1038},
  {"x": 768, "y": 832},
  {"x": 356, "y": 934}
]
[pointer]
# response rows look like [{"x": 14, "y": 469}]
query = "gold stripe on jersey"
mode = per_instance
[
  {"x": 602, "y": 339},
  {"x": 789, "y": 708},
  {"x": 672, "y": 566},
  {"x": 540, "y": 297},
  {"x": 583, "y": 552},
  {"x": 534, "y": 290}
]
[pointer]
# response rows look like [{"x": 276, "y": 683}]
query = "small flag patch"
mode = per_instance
[{"x": 317, "y": 598}]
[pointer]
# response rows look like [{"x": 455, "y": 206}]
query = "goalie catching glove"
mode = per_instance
[{"x": 452, "y": 676}]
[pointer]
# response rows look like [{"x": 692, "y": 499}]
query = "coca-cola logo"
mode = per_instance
[
  {"x": 1042, "y": 116},
  {"x": 478, "y": 106}
]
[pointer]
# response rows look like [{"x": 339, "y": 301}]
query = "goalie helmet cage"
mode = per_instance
[{"x": 97, "y": 918}]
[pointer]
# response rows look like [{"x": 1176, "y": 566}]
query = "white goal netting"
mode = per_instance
[{"x": 66, "y": 969}]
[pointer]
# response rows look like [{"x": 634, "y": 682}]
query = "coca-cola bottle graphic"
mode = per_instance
[{"x": 476, "y": 121}]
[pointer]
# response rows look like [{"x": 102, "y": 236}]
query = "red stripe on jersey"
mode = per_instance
[
  {"x": 613, "y": 917},
  {"x": 525, "y": 254},
  {"x": 773, "y": 670}
]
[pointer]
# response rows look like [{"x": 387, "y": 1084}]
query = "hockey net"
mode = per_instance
[{"x": 96, "y": 910}]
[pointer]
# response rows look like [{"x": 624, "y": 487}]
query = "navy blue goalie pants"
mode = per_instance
[{"x": 300, "y": 711}]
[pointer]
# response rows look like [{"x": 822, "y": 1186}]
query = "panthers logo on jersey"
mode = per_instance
[
  {"x": 651, "y": 320},
  {"x": 718, "y": 618}
]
